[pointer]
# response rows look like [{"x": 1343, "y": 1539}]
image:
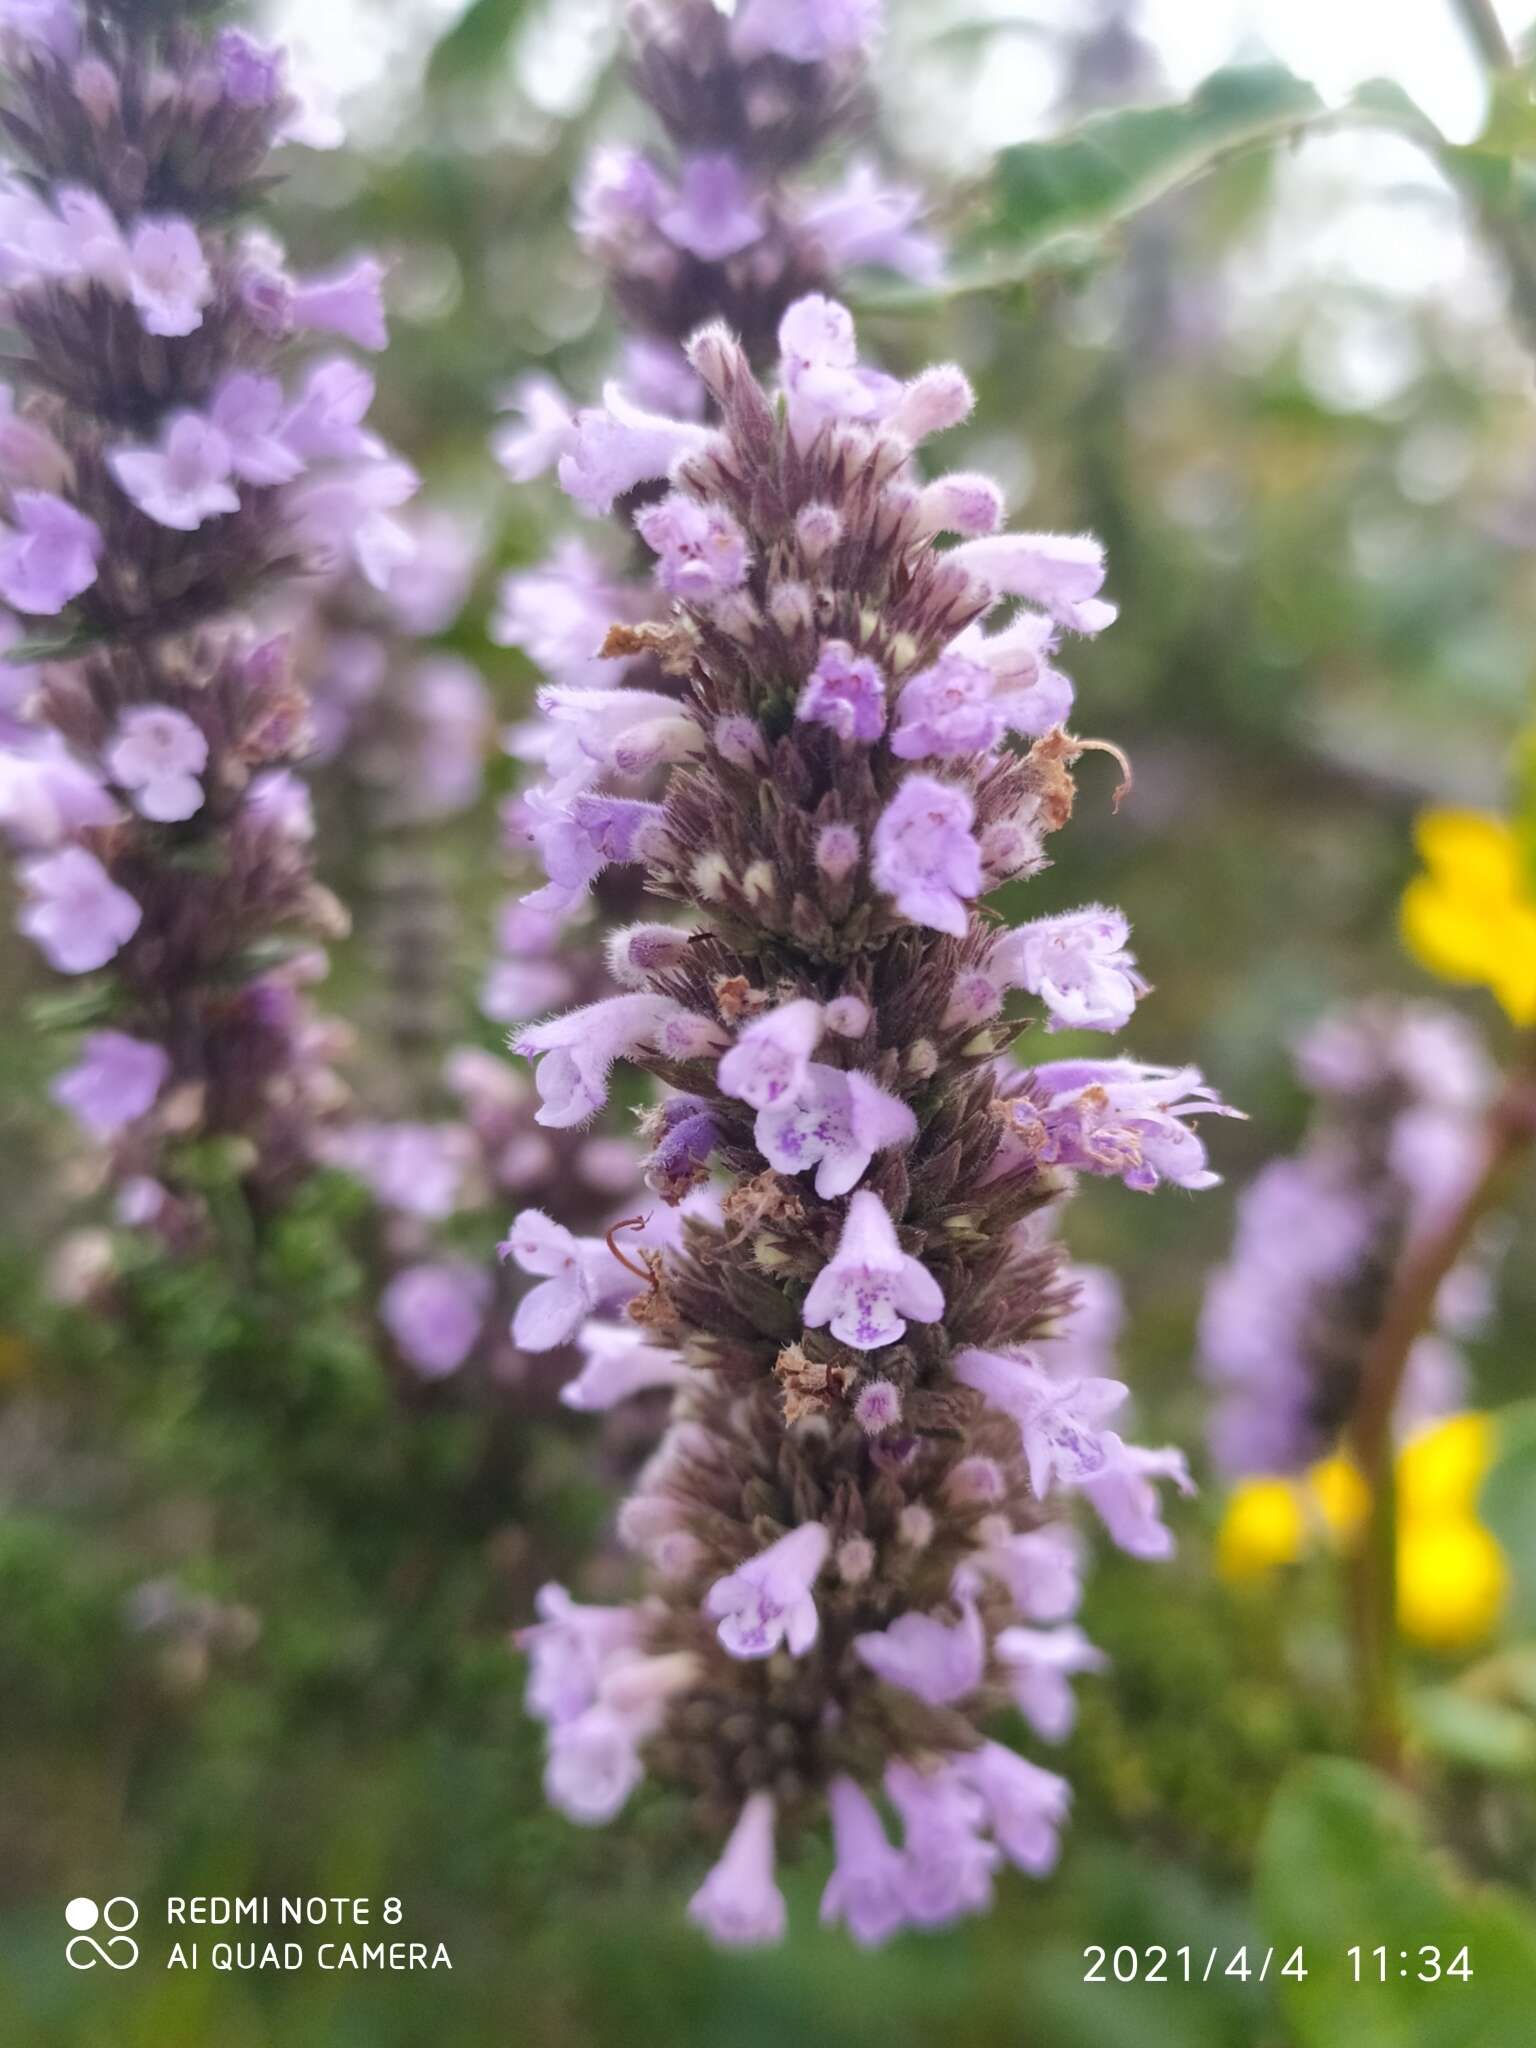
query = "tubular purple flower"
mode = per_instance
[
  {"x": 866, "y": 1889},
  {"x": 770, "y": 1060},
  {"x": 435, "y": 1313},
  {"x": 870, "y": 1284},
  {"x": 941, "y": 1662},
  {"x": 768, "y": 1601},
  {"x": 739, "y": 1904},
  {"x": 924, "y": 855},
  {"x": 113, "y": 1083},
  {"x": 846, "y": 692},
  {"x": 1078, "y": 964}
]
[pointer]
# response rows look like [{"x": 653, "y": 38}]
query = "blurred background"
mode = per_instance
[{"x": 253, "y": 1625}]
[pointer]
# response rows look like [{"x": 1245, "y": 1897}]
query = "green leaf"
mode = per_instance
[
  {"x": 1480, "y": 1734},
  {"x": 1343, "y": 1862},
  {"x": 1051, "y": 203},
  {"x": 1508, "y": 1502},
  {"x": 477, "y": 42}
]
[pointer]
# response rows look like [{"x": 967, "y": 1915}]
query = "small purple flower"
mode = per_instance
[
  {"x": 74, "y": 911},
  {"x": 347, "y": 517},
  {"x": 435, "y": 1314},
  {"x": 1058, "y": 1420},
  {"x": 924, "y": 854},
  {"x": 183, "y": 481},
  {"x": 248, "y": 412},
  {"x": 846, "y": 691},
  {"x": 326, "y": 422},
  {"x": 703, "y": 551},
  {"x": 1125, "y": 1498},
  {"x": 559, "y": 614},
  {"x": 684, "y": 1144},
  {"x": 768, "y": 1600},
  {"x": 572, "y": 1271},
  {"x": 1122, "y": 1118},
  {"x": 863, "y": 221},
  {"x": 51, "y": 25},
  {"x": 1027, "y": 1807},
  {"x": 167, "y": 276},
  {"x": 771, "y": 1056},
  {"x": 594, "y": 1764},
  {"x": 1042, "y": 1569},
  {"x": 617, "y": 1364},
  {"x": 1077, "y": 963},
  {"x": 713, "y": 215},
  {"x": 940, "y": 1662},
  {"x": 619, "y": 192},
  {"x": 348, "y": 301},
  {"x": 113, "y": 1083},
  {"x": 738, "y": 1905},
  {"x": 1040, "y": 1663},
  {"x": 49, "y": 555},
  {"x": 870, "y": 1285},
  {"x": 866, "y": 1889},
  {"x": 951, "y": 709},
  {"x": 414, "y": 1168},
  {"x": 1062, "y": 573},
  {"x": 819, "y": 369},
  {"x": 836, "y": 1122},
  {"x": 46, "y": 795},
  {"x": 962, "y": 503},
  {"x": 252, "y": 75},
  {"x": 569, "y": 1648},
  {"x": 156, "y": 755},
  {"x": 618, "y": 445},
  {"x": 805, "y": 31},
  {"x": 547, "y": 430},
  {"x": 948, "y": 1863},
  {"x": 576, "y": 1051}
]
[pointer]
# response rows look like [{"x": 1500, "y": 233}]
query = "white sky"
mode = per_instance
[{"x": 356, "y": 46}]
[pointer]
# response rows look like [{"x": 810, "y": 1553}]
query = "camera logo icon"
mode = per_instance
[{"x": 83, "y": 1951}]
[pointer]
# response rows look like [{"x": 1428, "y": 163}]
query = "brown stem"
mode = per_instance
[{"x": 1409, "y": 1313}]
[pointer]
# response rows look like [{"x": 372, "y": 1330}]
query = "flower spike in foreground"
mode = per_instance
[{"x": 888, "y": 1396}]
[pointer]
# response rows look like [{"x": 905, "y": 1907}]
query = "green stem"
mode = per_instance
[
  {"x": 1486, "y": 34},
  {"x": 1409, "y": 1313}
]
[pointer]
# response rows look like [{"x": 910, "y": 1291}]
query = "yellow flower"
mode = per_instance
[
  {"x": 1471, "y": 917},
  {"x": 1263, "y": 1526},
  {"x": 1452, "y": 1582},
  {"x": 1341, "y": 1497},
  {"x": 1440, "y": 1471}
]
